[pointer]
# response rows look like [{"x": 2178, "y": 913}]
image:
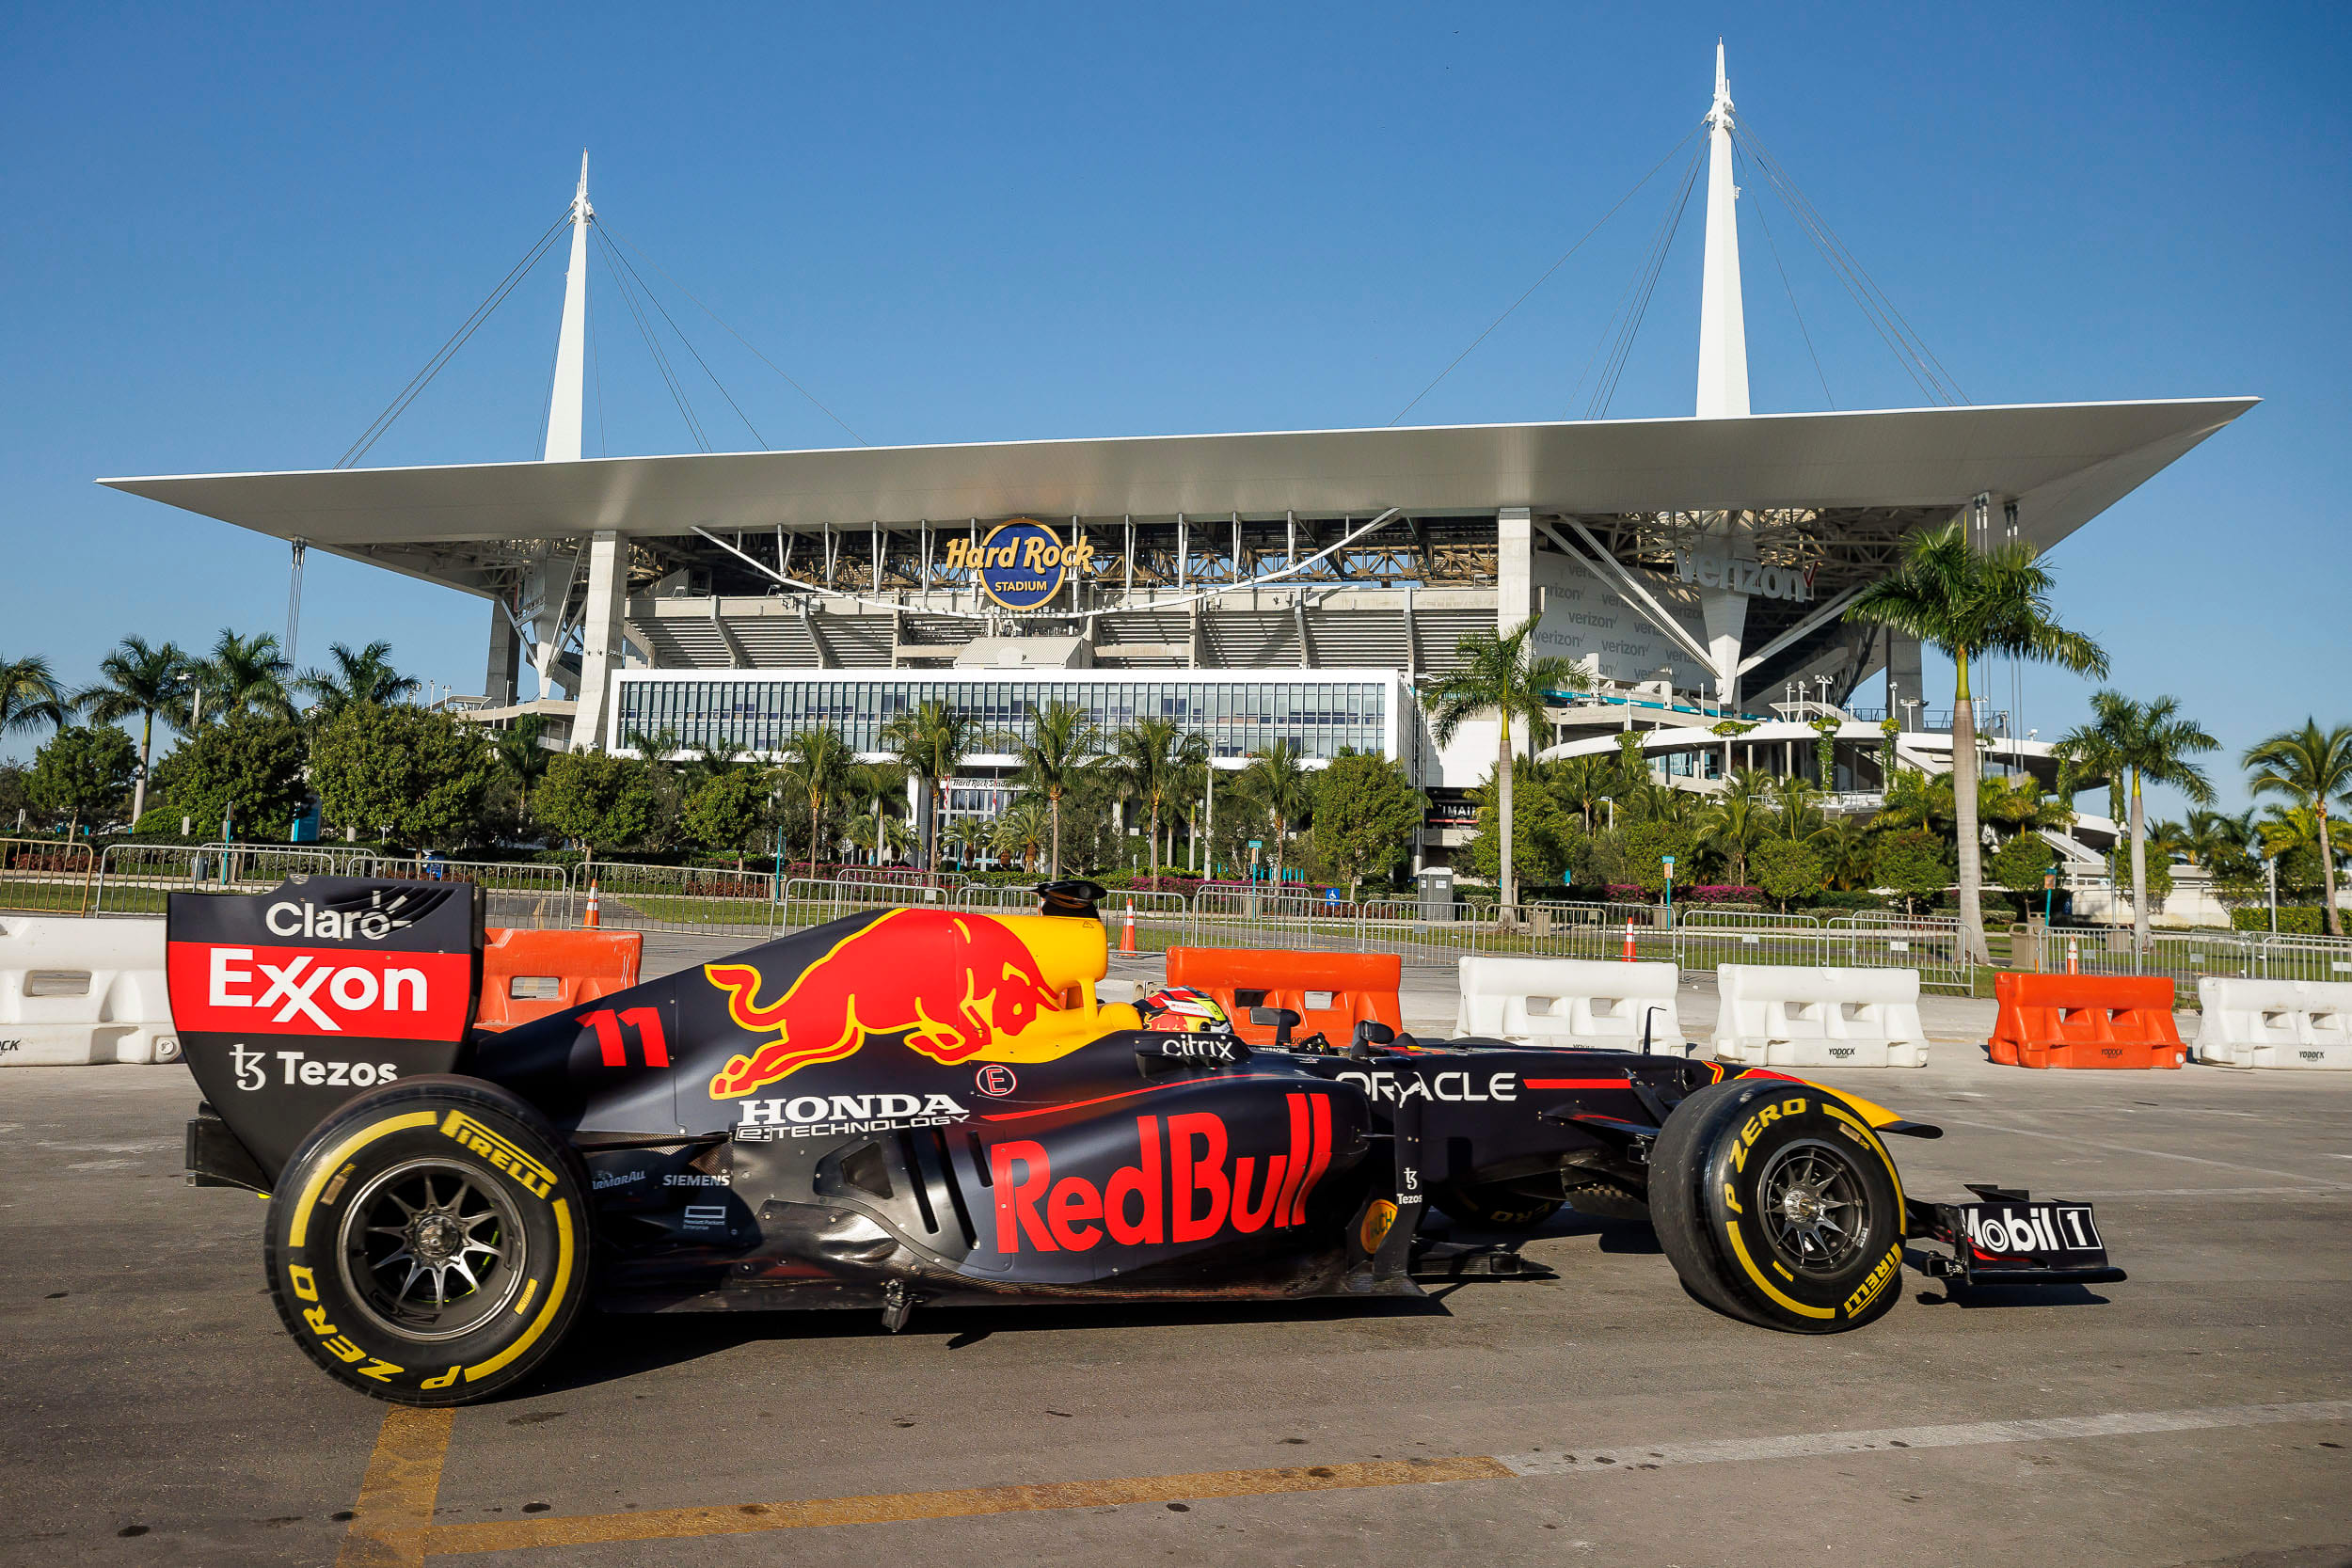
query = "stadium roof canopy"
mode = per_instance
[{"x": 2063, "y": 464}]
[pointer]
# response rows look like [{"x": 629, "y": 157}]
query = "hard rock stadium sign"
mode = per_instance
[{"x": 1022, "y": 564}]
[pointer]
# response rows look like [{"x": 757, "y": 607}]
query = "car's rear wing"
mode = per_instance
[{"x": 287, "y": 1003}]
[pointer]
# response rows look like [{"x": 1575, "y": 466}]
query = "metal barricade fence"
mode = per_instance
[
  {"x": 2184, "y": 956},
  {"x": 682, "y": 899},
  {"x": 529, "y": 894},
  {"x": 1930, "y": 944},
  {"x": 134, "y": 878},
  {"x": 45, "y": 876}
]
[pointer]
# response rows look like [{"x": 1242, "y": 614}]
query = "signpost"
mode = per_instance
[{"x": 1668, "y": 862}]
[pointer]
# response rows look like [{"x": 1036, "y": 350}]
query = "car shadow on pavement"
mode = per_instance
[
  {"x": 615, "y": 1346},
  {"x": 1973, "y": 1297}
]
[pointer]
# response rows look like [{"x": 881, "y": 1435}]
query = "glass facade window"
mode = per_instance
[{"x": 1236, "y": 718}]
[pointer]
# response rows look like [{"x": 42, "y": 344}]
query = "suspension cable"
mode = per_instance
[
  {"x": 655, "y": 301},
  {"x": 423, "y": 378},
  {"x": 1909, "y": 347},
  {"x": 714, "y": 315},
  {"x": 1773, "y": 245},
  {"x": 1548, "y": 272},
  {"x": 1605, "y": 388},
  {"x": 661, "y": 359}
]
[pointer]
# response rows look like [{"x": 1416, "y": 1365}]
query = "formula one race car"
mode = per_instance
[{"x": 925, "y": 1106}]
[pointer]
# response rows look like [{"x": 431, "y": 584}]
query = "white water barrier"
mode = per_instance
[
  {"x": 1571, "y": 1002},
  {"x": 1772, "y": 1015},
  {"x": 2275, "y": 1024},
  {"x": 75, "y": 991}
]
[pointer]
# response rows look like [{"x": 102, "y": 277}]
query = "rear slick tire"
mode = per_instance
[
  {"x": 427, "y": 1243},
  {"x": 1778, "y": 1205}
]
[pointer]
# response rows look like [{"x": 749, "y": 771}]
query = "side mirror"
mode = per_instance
[
  {"x": 1368, "y": 1033},
  {"x": 1281, "y": 1019}
]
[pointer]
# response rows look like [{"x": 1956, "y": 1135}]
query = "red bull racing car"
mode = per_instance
[{"x": 929, "y": 1106}]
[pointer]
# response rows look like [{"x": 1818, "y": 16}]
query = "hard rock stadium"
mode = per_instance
[{"x": 1258, "y": 586}]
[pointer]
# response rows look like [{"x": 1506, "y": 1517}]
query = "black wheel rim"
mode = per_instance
[
  {"x": 430, "y": 1249},
  {"x": 1814, "y": 1207}
]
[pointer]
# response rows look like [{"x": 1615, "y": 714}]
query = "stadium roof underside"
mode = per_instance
[{"x": 1838, "y": 489}]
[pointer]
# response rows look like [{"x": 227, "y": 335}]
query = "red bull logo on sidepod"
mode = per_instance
[
  {"x": 1188, "y": 1194},
  {"x": 953, "y": 983}
]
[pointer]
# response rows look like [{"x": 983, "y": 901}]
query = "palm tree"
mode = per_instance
[
  {"x": 1797, "y": 799},
  {"x": 1156, "y": 763},
  {"x": 246, "y": 675},
  {"x": 1061, "y": 747},
  {"x": 2141, "y": 742},
  {"x": 1732, "y": 827},
  {"x": 1022, "y": 833},
  {"x": 873, "y": 793},
  {"x": 2218, "y": 840},
  {"x": 969, "y": 836},
  {"x": 1582, "y": 784},
  {"x": 521, "y": 758},
  {"x": 1278, "y": 785},
  {"x": 817, "y": 767},
  {"x": 1846, "y": 846},
  {"x": 2311, "y": 767},
  {"x": 366, "y": 677},
  {"x": 30, "y": 696},
  {"x": 930, "y": 743},
  {"x": 1496, "y": 675},
  {"x": 1973, "y": 604},
  {"x": 137, "y": 680}
]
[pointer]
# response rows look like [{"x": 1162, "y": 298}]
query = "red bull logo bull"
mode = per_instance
[{"x": 953, "y": 983}]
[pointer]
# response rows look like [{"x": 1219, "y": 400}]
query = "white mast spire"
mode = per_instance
[
  {"x": 1722, "y": 322},
  {"x": 564, "y": 400}
]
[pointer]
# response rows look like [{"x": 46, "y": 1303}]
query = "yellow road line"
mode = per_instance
[
  {"x": 397, "y": 1494},
  {"x": 671, "y": 1524}
]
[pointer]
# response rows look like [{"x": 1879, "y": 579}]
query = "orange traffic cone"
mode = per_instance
[
  {"x": 2073, "y": 958},
  {"x": 1127, "y": 933},
  {"x": 592, "y": 918},
  {"x": 1629, "y": 939}
]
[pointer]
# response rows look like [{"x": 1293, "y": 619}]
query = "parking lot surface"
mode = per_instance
[{"x": 151, "y": 1410}]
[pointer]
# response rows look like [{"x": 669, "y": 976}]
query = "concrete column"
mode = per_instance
[
  {"x": 1902, "y": 676},
  {"x": 1726, "y": 617},
  {"x": 1514, "y": 567},
  {"x": 505, "y": 666},
  {"x": 601, "y": 648}
]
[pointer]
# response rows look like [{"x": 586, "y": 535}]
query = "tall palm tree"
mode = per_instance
[
  {"x": 246, "y": 675},
  {"x": 1277, "y": 783},
  {"x": 1063, "y": 744},
  {"x": 1973, "y": 605},
  {"x": 2311, "y": 767},
  {"x": 874, "y": 793},
  {"x": 136, "y": 679},
  {"x": 930, "y": 743},
  {"x": 1156, "y": 763},
  {"x": 2142, "y": 742},
  {"x": 30, "y": 696},
  {"x": 1497, "y": 676},
  {"x": 817, "y": 767},
  {"x": 521, "y": 758},
  {"x": 362, "y": 678},
  {"x": 1797, "y": 800}
]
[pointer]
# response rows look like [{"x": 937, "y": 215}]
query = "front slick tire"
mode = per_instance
[
  {"x": 427, "y": 1243},
  {"x": 1776, "y": 1203}
]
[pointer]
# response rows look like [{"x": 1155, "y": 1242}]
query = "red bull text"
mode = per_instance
[{"x": 1182, "y": 1187}]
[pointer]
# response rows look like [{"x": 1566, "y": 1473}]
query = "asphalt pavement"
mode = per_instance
[{"x": 151, "y": 1410}]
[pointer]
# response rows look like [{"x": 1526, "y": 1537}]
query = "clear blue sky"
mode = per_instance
[{"x": 233, "y": 233}]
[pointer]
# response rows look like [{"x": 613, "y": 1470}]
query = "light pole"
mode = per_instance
[{"x": 2270, "y": 872}]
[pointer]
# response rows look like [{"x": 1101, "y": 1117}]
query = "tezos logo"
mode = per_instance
[
  {"x": 995, "y": 1080},
  {"x": 298, "y": 1068}
]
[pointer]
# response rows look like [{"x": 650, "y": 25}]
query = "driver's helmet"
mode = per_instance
[{"x": 1183, "y": 1010}]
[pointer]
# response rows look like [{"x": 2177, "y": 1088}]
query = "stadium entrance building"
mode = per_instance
[{"x": 1257, "y": 587}]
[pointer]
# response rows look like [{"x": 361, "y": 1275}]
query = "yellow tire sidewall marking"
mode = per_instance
[
  {"x": 300, "y": 1227},
  {"x": 563, "y": 1212}
]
